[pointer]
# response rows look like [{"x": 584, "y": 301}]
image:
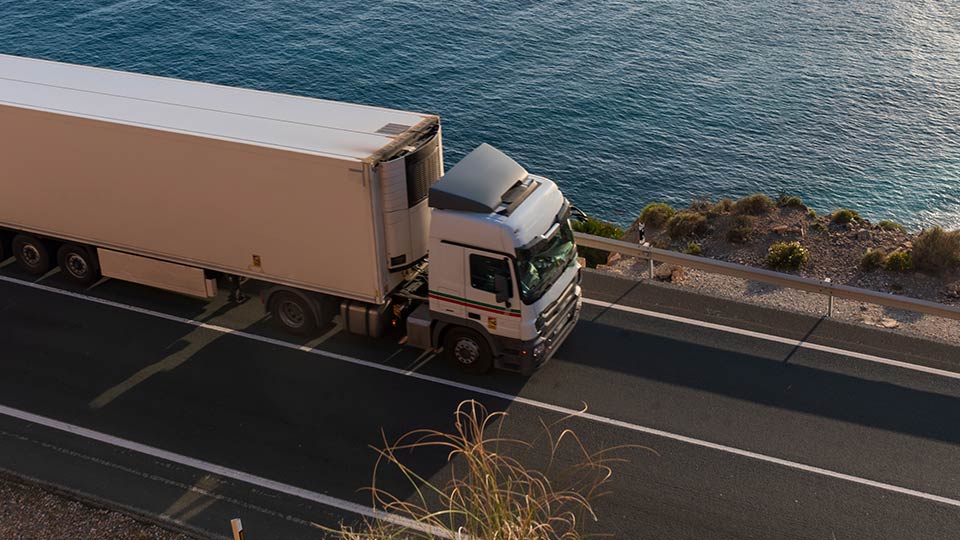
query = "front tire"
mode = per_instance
[
  {"x": 78, "y": 264},
  {"x": 31, "y": 254},
  {"x": 468, "y": 350},
  {"x": 292, "y": 313}
]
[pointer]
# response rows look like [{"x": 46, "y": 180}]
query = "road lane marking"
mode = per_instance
[
  {"x": 486, "y": 392},
  {"x": 219, "y": 470},
  {"x": 421, "y": 361},
  {"x": 776, "y": 339},
  {"x": 193, "y": 501}
]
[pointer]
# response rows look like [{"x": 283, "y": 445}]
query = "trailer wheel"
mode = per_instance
[
  {"x": 292, "y": 313},
  {"x": 31, "y": 254},
  {"x": 78, "y": 264},
  {"x": 4, "y": 246},
  {"x": 468, "y": 351}
]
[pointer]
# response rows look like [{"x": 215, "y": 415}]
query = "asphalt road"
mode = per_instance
[{"x": 754, "y": 437}]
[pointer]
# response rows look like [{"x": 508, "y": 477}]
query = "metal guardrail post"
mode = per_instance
[
  {"x": 830, "y": 299},
  {"x": 763, "y": 275},
  {"x": 649, "y": 268}
]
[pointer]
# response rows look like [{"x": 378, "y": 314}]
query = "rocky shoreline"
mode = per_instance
[{"x": 840, "y": 246}]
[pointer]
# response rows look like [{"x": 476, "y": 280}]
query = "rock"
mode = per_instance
[
  {"x": 953, "y": 290},
  {"x": 582, "y": 261},
  {"x": 780, "y": 229},
  {"x": 887, "y": 322},
  {"x": 670, "y": 273},
  {"x": 908, "y": 245},
  {"x": 613, "y": 258},
  {"x": 864, "y": 235}
]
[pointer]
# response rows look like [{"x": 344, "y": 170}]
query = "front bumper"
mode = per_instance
[{"x": 535, "y": 353}]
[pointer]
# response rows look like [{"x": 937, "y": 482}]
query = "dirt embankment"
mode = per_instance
[{"x": 835, "y": 250}]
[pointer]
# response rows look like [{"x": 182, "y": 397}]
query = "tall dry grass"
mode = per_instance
[{"x": 491, "y": 492}]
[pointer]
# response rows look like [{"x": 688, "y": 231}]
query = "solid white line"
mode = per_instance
[
  {"x": 776, "y": 339},
  {"x": 500, "y": 395},
  {"x": 218, "y": 470}
]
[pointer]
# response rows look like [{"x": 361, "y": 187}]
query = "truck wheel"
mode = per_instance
[
  {"x": 468, "y": 351},
  {"x": 4, "y": 247},
  {"x": 292, "y": 313},
  {"x": 31, "y": 254},
  {"x": 78, "y": 264}
]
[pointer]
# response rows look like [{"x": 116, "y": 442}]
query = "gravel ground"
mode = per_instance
[
  {"x": 28, "y": 512},
  {"x": 907, "y": 322}
]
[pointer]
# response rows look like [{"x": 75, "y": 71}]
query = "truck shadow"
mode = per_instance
[{"x": 770, "y": 380}]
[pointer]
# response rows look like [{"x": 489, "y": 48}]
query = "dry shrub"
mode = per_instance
[
  {"x": 899, "y": 261},
  {"x": 693, "y": 248},
  {"x": 791, "y": 202},
  {"x": 844, "y": 216},
  {"x": 872, "y": 259},
  {"x": 656, "y": 215},
  {"x": 723, "y": 206},
  {"x": 490, "y": 494},
  {"x": 753, "y": 205},
  {"x": 787, "y": 255},
  {"x": 889, "y": 225},
  {"x": 937, "y": 250},
  {"x": 701, "y": 205},
  {"x": 740, "y": 229},
  {"x": 685, "y": 224}
]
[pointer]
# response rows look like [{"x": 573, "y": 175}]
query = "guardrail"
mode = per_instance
[{"x": 824, "y": 287}]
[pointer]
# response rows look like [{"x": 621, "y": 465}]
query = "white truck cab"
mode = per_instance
[{"x": 503, "y": 273}]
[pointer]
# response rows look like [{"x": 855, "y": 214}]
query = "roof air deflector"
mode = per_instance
[{"x": 478, "y": 183}]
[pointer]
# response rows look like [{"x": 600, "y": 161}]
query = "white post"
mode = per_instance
[
  {"x": 237, "y": 529},
  {"x": 830, "y": 300}
]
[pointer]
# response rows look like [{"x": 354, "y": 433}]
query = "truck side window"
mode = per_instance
[{"x": 483, "y": 272}]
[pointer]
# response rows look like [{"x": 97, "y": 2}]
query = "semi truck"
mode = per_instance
[{"x": 334, "y": 209}]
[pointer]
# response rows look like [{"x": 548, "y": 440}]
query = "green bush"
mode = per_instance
[
  {"x": 844, "y": 216},
  {"x": 741, "y": 228},
  {"x": 937, "y": 250},
  {"x": 753, "y": 205},
  {"x": 686, "y": 224},
  {"x": 899, "y": 261},
  {"x": 811, "y": 213},
  {"x": 693, "y": 248},
  {"x": 872, "y": 259},
  {"x": 787, "y": 255},
  {"x": 656, "y": 215},
  {"x": 819, "y": 227},
  {"x": 888, "y": 225},
  {"x": 596, "y": 227},
  {"x": 791, "y": 202}
]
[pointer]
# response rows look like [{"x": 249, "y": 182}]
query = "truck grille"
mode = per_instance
[{"x": 554, "y": 317}]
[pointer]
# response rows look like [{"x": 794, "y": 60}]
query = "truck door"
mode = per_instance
[
  {"x": 499, "y": 318},
  {"x": 446, "y": 279}
]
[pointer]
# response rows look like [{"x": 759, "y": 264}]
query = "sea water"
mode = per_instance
[{"x": 845, "y": 103}]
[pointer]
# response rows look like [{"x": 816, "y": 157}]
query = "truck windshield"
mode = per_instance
[{"x": 540, "y": 265}]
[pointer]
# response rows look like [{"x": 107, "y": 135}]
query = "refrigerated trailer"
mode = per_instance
[{"x": 343, "y": 210}]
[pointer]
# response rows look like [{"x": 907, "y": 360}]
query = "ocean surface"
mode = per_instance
[{"x": 847, "y": 103}]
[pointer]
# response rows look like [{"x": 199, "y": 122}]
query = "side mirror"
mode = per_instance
[{"x": 501, "y": 284}]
